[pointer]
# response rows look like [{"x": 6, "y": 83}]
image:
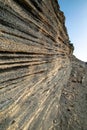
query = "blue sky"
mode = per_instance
[{"x": 76, "y": 22}]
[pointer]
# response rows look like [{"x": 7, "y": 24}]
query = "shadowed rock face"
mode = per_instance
[
  {"x": 37, "y": 69},
  {"x": 72, "y": 112}
]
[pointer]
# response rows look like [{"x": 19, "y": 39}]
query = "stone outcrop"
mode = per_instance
[{"x": 42, "y": 85}]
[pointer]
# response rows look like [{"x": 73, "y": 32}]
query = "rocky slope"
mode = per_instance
[
  {"x": 42, "y": 85},
  {"x": 72, "y": 112}
]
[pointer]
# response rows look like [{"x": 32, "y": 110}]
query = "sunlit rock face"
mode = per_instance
[{"x": 36, "y": 67}]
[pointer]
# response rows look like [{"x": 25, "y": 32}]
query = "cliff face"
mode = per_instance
[{"x": 39, "y": 77}]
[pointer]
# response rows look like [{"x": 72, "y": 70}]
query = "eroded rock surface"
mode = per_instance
[
  {"x": 39, "y": 77},
  {"x": 72, "y": 113}
]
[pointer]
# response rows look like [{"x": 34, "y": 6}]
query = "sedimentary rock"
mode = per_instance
[
  {"x": 35, "y": 66},
  {"x": 72, "y": 112}
]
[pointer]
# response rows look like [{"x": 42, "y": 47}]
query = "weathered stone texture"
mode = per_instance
[
  {"x": 72, "y": 112},
  {"x": 35, "y": 67}
]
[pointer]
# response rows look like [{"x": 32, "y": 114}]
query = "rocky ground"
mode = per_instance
[{"x": 72, "y": 114}]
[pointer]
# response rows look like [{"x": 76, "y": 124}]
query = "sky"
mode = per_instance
[{"x": 75, "y": 12}]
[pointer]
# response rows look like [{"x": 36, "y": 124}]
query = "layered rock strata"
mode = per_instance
[{"x": 35, "y": 66}]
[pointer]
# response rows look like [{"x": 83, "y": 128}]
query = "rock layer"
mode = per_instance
[
  {"x": 35, "y": 65},
  {"x": 72, "y": 112}
]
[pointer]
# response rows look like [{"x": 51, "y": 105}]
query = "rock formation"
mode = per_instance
[{"x": 42, "y": 85}]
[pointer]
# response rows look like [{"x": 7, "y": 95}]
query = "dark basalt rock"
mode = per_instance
[{"x": 36, "y": 65}]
